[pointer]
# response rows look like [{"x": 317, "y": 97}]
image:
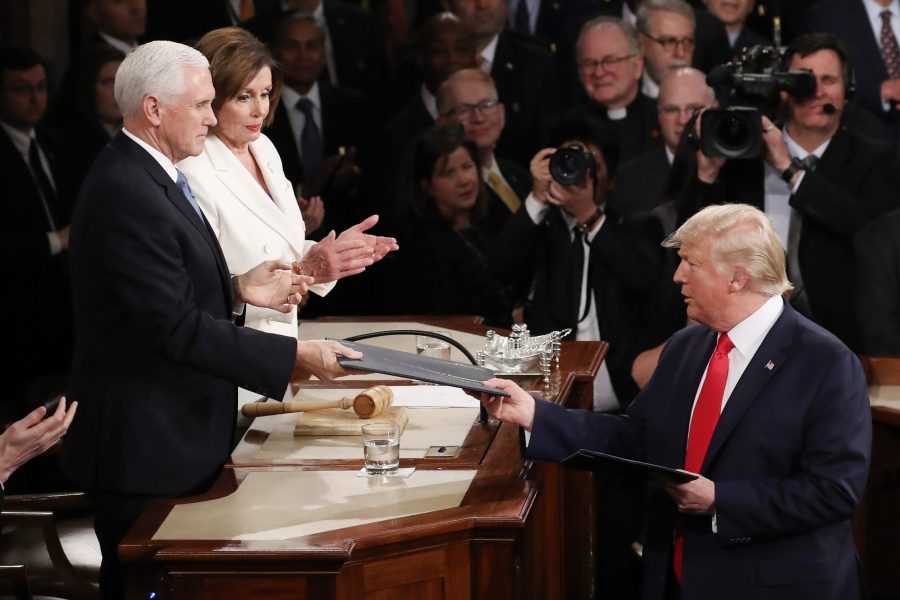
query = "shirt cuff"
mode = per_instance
[
  {"x": 535, "y": 208},
  {"x": 55, "y": 243}
]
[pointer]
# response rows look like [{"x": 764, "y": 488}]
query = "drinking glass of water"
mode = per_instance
[
  {"x": 433, "y": 347},
  {"x": 381, "y": 447}
]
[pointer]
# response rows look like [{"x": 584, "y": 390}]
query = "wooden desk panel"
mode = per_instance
[{"x": 522, "y": 530}]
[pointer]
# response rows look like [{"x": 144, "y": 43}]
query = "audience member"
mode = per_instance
[
  {"x": 35, "y": 206},
  {"x": 443, "y": 46},
  {"x": 640, "y": 184},
  {"x": 323, "y": 133},
  {"x": 666, "y": 31},
  {"x": 524, "y": 73},
  {"x": 86, "y": 113},
  {"x": 733, "y": 14},
  {"x": 877, "y": 285},
  {"x": 780, "y": 473},
  {"x": 445, "y": 266},
  {"x": 817, "y": 203},
  {"x": 872, "y": 29},
  {"x": 119, "y": 23},
  {"x": 470, "y": 98},
  {"x": 610, "y": 66}
]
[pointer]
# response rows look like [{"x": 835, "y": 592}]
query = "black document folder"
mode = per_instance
[
  {"x": 594, "y": 461},
  {"x": 420, "y": 368}
]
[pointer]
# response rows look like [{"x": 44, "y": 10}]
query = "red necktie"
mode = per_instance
[{"x": 703, "y": 423}]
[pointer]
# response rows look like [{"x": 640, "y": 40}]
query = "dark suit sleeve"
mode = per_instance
[
  {"x": 627, "y": 251},
  {"x": 828, "y": 481},
  {"x": 151, "y": 275},
  {"x": 877, "y": 289}
]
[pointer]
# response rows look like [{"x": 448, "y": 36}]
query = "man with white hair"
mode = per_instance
[
  {"x": 157, "y": 355},
  {"x": 769, "y": 410}
]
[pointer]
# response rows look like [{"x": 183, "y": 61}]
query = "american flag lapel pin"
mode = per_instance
[{"x": 770, "y": 365}]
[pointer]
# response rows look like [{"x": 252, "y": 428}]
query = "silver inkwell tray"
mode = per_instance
[{"x": 521, "y": 353}]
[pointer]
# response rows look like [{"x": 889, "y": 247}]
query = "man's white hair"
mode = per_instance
[{"x": 155, "y": 68}]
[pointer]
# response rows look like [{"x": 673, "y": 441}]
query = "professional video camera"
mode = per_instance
[{"x": 755, "y": 79}]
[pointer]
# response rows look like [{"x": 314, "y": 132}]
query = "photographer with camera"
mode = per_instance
[{"x": 818, "y": 180}]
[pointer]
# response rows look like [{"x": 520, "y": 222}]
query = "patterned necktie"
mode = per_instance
[
  {"x": 310, "y": 140},
  {"x": 703, "y": 423},
  {"x": 504, "y": 192},
  {"x": 799, "y": 298},
  {"x": 182, "y": 182},
  {"x": 890, "y": 51},
  {"x": 45, "y": 188}
]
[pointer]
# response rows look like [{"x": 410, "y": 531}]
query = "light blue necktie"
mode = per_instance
[{"x": 186, "y": 189}]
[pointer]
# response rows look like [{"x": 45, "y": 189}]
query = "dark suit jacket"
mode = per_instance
[
  {"x": 157, "y": 356},
  {"x": 360, "y": 53},
  {"x": 402, "y": 129},
  {"x": 538, "y": 262},
  {"x": 640, "y": 182},
  {"x": 850, "y": 22},
  {"x": 346, "y": 122},
  {"x": 38, "y": 320},
  {"x": 789, "y": 461},
  {"x": 525, "y": 75},
  {"x": 853, "y": 183},
  {"x": 877, "y": 288}
]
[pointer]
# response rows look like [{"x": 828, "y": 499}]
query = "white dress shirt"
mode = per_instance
[
  {"x": 487, "y": 55},
  {"x": 296, "y": 117}
]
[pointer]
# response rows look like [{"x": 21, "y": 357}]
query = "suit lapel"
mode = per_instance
[
  {"x": 759, "y": 371},
  {"x": 175, "y": 196}
]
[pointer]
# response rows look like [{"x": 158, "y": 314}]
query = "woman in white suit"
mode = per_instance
[{"x": 241, "y": 187}]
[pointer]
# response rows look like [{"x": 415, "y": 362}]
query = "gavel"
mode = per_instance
[{"x": 367, "y": 404}]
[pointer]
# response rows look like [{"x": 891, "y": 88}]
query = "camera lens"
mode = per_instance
[
  {"x": 569, "y": 166},
  {"x": 733, "y": 132}
]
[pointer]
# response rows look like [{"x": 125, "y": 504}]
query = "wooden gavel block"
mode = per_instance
[{"x": 367, "y": 404}]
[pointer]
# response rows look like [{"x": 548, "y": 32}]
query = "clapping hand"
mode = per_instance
[{"x": 272, "y": 284}]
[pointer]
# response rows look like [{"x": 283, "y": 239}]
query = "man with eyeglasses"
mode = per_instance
[
  {"x": 666, "y": 30},
  {"x": 639, "y": 187},
  {"x": 610, "y": 64},
  {"x": 470, "y": 97},
  {"x": 35, "y": 208},
  {"x": 523, "y": 71}
]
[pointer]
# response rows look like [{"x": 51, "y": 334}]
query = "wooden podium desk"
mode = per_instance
[
  {"x": 521, "y": 530},
  {"x": 878, "y": 521}
]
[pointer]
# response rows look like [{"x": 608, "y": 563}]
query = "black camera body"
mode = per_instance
[
  {"x": 755, "y": 80},
  {"x": 570, "y": 165}
]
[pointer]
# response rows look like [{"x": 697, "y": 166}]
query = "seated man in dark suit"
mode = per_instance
[
  {"x": 640, "y": 184},
  {"x": 158, "y": 356},
  {"x": 610, "y": 65},
  {"x": 35, "y": 206},
  {"x": 733, "y": 14},
  {"x": 523, "y": 71},
  {"x": 323, "y": 133},
  {"x": 781, "y": 463},
  {"x": 877, "y": 288},
  {"x": 820, "y": 181},
  {"x": 444, "y": 45},
  {"x": 470, "y": 98},
  {"x": 119, "y": 24}
]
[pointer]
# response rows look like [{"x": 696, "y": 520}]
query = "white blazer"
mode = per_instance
[{"x": 251, "y": 226}]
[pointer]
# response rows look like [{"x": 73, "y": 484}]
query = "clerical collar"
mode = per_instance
[{"x": 617, "y": 114}]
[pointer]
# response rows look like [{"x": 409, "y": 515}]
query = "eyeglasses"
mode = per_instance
[
  {"x": 464, "y": 112},
  {"x": 609, "y": 63},
  {"x": 669, "y": 43},
  {"x": 673, "y": 111}
]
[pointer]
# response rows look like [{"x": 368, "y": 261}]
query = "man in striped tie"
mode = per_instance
[{"x": 768, "y": 409}]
